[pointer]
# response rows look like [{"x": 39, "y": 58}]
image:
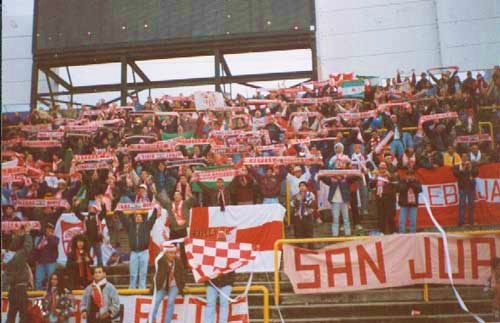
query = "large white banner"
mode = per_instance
[{"x": 190, "y": 309}]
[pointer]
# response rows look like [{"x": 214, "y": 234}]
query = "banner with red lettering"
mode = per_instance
[
  {"x": 390, "y": 261},
  {"x": 190, "y": 309},
  {"x": 441, "y": 189}
]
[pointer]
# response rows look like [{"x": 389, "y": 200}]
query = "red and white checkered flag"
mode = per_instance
[{"x": 209, "y": 259}]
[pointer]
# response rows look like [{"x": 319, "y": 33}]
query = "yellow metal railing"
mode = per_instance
[
  {"x": 278, "y": 243},
  {"x": 187, "y": 290},
  {"x": 490, "y": 125}
]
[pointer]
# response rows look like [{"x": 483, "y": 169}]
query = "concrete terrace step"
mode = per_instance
[
  {"x": 377, "y": 309},
  {"x": 442, "y": 318}
]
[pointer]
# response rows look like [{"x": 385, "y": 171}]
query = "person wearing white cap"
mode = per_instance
[
  {"x": 297, "y": 176},
  {"x": 168, "y": 280}
]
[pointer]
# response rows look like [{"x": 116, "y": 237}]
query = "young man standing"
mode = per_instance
[
  {"x": 100, "y": 302},
  {"x": 408, "y": 189},
  {"x": 303, "y": 205},
  {"x": 139, "y": 234},
  {"x": 169, "y": 280},
  {"x": 45, "y": 255},
  {"x": 18, "y": 274},
  {"x": 466, "y": 174}
]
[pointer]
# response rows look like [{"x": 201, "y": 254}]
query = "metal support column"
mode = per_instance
[
  {"x": 217, "y": 62},
  {"x": 34, "y": 86},
  {"x": 123, "y": 85}
]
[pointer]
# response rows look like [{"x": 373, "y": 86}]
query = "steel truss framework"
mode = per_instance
[{"x": 128, "y": 55}]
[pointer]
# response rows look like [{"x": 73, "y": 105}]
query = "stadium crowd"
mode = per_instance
[{"x": 96, "y": 161}]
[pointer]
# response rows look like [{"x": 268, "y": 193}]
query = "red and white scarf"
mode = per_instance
[
  {"x": 97, "y": 293},
  {"x": 178, "y": 213}
]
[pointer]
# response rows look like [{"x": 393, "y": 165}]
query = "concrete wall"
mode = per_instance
[{"x": 377, "y": 37}]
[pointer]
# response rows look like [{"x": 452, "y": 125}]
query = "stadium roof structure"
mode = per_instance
[{"x": 45, "y": 60}]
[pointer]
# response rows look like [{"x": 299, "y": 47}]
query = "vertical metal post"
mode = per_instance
[
  {"x": 34, "y": 86},
  {"x": 217, "y": 71},
  {"x": 70, "y": 83},
  {"x": 123, "y": 90},
  {"x": 50, "y": 90}
]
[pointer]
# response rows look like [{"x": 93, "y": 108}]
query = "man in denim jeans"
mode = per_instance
[
  {"x": 139, "y": 232},
  {"x": 169, "y": 280},
  {"x": 219, "y": 287},
  {"x": 466, "y": 174},
  {"x": 45, "y": 254},
  {"x": 408, "y": 189}
]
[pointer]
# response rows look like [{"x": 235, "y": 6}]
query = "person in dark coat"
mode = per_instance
[
  {"x": 92, "y": 226},
  {"x": 408, "y": 189},
  {"x": 169, "y": 280},
  {"x": 385, "y": 199},
  {"x": 17, "y": 273},
  {"x": 139, "y": 234},
  {"x": 45, "y": 254},
  {"x": 79, "y": 262},
  {"x": 466, "y": 174},
  {"x": 218, "y": 196}
]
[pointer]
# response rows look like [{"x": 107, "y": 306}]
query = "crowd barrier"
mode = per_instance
[
  {"x": 187, "y": 290},
  {"x": 279, "y": 243}
]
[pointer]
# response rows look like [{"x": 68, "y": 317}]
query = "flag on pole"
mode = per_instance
[
  {"x": 355, "y": 88},
  {"x": 210, "y": 259}
]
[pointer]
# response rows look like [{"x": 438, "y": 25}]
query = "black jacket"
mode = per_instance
[
  {"x": 162, "y": 274},
  {"x": 466, "y": 177},
  {"x": 138, "y": 233},
  {"x": 90, "y": 222},
  {"x": 403, "y": 187},
  {"x": 223, "y": 280}
]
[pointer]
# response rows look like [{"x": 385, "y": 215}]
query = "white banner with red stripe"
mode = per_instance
[
  {"x": 42, "y": 203},
  {"x": 437, "y": 116},
  {"x": 8, "y": 226},
  {"x": 260, "y": 225},
  {"x": 472, "y": 138},
  {"x": 159, "y": 156},
  {"x": 282, "y": 160},
  {"x": 41, "y": 143},
  {"x": 215, "y": 174}
]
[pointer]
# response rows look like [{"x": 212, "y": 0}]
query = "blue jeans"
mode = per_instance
[
  {"x": 212, "y": 295},
  {"x": 160, "y": 295},
  {"x": 138, "y": 267},
  {"x": 405, "y": 212},
  {"x": 337, "y": 208},
  {"x": 98, "y": 252},
  {"x": 397, "y": 148},
  {"x": 407, "y": 140},
  {"x": 42, "y": 271},
  {"x": 466, "y": 196},
  {"x": 270, "y": 200}
]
